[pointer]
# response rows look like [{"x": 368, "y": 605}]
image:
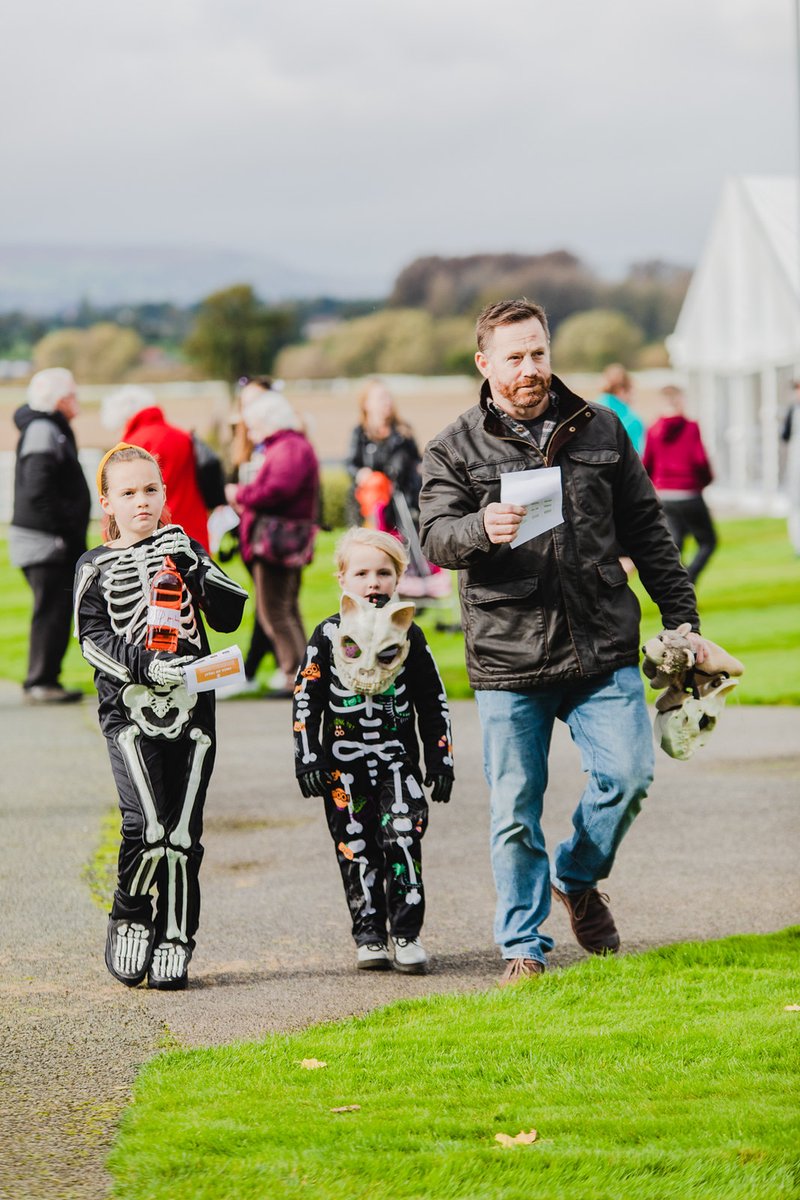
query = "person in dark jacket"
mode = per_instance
[
  {"x": 550, "y": 624},
  {"x": 382, "y": 443},
  {"x": 48, "y": 525},
  {"x": 676, "y": 461}
]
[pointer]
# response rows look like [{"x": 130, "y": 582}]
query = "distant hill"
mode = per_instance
[{"x": 45, "y": 279}]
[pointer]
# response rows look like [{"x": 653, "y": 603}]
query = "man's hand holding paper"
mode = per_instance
[
  {"x": 502, "y": 521},
  {"x": 537, "y": 494}
]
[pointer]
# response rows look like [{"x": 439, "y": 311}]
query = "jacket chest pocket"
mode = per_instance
[
  {"x": 592, "y": 475},
  {"x": 485, "y": 476}
]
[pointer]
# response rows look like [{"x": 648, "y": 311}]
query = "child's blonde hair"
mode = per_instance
[
  {"x": 121, "y": 453},
  {"x": 391, "y": 547}
]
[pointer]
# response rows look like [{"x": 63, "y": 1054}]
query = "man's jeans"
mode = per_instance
[{"x": 609, "y": 723}]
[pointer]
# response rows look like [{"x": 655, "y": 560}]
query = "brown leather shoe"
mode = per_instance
[
  {"x": 591, "y": 920},
  {"x": 520, "y": 968}
]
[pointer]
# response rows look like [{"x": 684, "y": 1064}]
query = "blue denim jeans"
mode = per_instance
[{"x": 609, "y": 723}]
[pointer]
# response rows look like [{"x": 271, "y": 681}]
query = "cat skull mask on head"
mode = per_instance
[{"x": 371, "y": 643}]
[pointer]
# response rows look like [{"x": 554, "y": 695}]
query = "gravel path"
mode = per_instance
[{"x": 713, "y": 853}]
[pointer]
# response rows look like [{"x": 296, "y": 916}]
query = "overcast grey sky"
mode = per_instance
[{"x": 348, "y": 138}]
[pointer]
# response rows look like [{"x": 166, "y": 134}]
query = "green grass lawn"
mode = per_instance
[
  {"x": 749, "y": 598},
  {"x": 667, "y": 1075}
]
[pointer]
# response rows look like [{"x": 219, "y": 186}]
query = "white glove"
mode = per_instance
[{"x": 168, "y": 672}]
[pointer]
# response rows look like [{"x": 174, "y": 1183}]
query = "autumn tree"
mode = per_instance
[
  {"x": 103, "y": 353},
  {"x": 392, "y": 341},
  {"x": 235, "y": 334},
  {"x": 589, "y": 341}
]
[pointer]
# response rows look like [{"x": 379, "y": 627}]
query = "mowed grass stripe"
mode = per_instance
[{"x": 673, "y": 1073}]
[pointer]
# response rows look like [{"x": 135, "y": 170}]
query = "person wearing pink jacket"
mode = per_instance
[
  {"x": 676, "y": 461},
  {"x": 287, "y": 488}
]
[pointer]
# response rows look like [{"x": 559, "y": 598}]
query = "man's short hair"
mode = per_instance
[
  {"x": 507, "y": 312},
  {"x": 49, "y": 386}
]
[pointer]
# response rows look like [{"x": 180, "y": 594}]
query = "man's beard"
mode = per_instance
[{"x": 526, "y": 399}]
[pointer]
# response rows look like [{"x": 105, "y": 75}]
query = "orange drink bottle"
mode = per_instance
[{"x": 164, "y": 611}]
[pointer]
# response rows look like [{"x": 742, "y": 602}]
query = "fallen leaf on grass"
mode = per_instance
[
  {"x": 520, "y": 1139},
  {"x": 348, "y": 1108},
  {"x": 312, "y": 1064},
  {"x": 791, "y": 1008}
]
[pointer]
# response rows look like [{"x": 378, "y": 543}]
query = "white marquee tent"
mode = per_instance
[{"x": 737, "y": 339}]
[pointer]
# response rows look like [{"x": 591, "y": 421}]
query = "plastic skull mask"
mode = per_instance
[
  {"x": 680, "y": 731},
  {"x": 695, "y": 694},
  {"x": 371, "y": 643}
]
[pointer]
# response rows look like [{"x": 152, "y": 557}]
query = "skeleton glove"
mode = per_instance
[
  {"x": 314, "y": 783},
  {"x": 176, "y": 544},
  {"x": 168, "y": 672},
  {"x": 441, "y": 786}
]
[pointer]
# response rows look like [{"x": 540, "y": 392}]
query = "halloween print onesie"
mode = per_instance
[{"x": 367, "y": 743}]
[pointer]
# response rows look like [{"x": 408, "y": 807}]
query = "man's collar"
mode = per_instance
[{"x": 569, "y": 405}]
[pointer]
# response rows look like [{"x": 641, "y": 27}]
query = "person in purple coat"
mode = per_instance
[{"x": 287, "y": 487}]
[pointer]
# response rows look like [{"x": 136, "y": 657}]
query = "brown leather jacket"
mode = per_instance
[{"x": 558, "y": 608}]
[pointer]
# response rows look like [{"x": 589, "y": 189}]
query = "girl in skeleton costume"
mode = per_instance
[
  {"x": 160, "y": 739},
  {"x": 367, "y": 671}
]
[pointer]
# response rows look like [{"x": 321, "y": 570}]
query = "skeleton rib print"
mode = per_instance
[{"x": 125, "y": 578}]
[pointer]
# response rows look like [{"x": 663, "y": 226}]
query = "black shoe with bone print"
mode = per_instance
[
  {"x": 129, "y": 947},
  {"x": 169, "y": 967}
]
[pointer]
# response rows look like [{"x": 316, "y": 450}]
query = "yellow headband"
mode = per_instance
[{"x": 104, "y": 460}]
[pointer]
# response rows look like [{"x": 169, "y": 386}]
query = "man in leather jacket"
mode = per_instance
[{"x": 550, "y": 625}]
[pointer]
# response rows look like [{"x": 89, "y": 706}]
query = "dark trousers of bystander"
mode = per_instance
[
  {"x": 51, "y": 584},
  {"x": 278, "y": 609},
  {"x": 260, "y": 643},
  {"x": 691, "y": 518}
]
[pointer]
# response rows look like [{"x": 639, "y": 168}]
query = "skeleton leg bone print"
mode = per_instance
[
  {"x": 367, "y": 872},
  {"x": 176, "y": 865},
  {"x": 127, "y": 741},
  {"x": 162, "y": 787},
  {"x": 180, "y": 835},
  {"x": 143, "y": 879}
]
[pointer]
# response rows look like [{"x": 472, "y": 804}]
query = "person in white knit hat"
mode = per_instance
[{"x": 48, "y": 525}]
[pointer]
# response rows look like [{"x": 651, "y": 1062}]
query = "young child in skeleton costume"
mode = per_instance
[
  {"x": 367, "y": 671},
  {"x": 160, "y": 739}
]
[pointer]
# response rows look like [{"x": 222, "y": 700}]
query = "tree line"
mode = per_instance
[{"x": 424, "y": 326}]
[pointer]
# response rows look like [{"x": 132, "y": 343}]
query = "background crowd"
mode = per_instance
[{"x": 272, "y": 499}]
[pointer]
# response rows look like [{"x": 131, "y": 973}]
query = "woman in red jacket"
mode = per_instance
[
  {"x": 143, "y": 423},
  {"x": 676, "y": 461},
  {"x": 287, "y": 488}
]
